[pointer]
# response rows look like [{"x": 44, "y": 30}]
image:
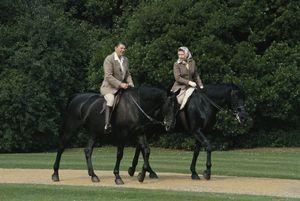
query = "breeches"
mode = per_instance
[
  {"x": 184, "y": 95},
  {"x": 110, "y": 99}
]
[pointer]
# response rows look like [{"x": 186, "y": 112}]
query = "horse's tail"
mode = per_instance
[
  {"x": 69, "y": 101},
  {"x": 64, "y": 113}
]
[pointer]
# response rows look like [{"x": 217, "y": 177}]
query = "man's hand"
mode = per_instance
[
  {"x": 124, "y": 85},
  {"x": 192, "y": 84}
]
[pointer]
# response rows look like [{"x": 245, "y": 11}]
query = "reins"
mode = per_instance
[{"x": 144, "y": 113}]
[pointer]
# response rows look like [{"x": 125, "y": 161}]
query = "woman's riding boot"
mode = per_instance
[
  {"x": 183, "y": 119},
  {"x": 107, "y": 127}
]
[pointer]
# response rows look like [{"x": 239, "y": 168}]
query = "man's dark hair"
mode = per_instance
[{"x": 120, "y": 43}]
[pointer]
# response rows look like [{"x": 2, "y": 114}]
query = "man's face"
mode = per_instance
[
  {"x": 120, "y": 49},
  {"x": 182, "y": 55}
]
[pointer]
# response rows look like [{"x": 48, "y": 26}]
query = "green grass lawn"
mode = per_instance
[
  {"x": 276, "y": 163},
  {"x": 19, "y": 192}
]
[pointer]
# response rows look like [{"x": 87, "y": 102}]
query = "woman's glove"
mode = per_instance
[{"x": 192, "y": 84}]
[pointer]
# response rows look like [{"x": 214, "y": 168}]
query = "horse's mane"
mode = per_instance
[
  {"x": 147, "y": 93},
  {"x": 215, "y": 92},
  {"x": 214, "y": 89},
  {"x": 149, "y": 98}
]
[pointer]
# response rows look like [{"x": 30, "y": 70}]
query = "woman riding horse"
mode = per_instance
[
  {"x": 198, "y": 117},
  {"x": 186, "y": 76}
]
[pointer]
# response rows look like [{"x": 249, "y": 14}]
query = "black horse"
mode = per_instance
[
  {"x": 200, "y": 116},
  {"x": 136, "y": 109}
]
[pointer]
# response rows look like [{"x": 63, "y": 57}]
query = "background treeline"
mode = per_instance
[{"x": 52, "y": 49}]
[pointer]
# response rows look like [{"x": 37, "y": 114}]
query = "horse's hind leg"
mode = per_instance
[
  {"x": 152, "y": 174},
  {"x": 195, "y": 175},
  {"x": 118, "y": 179},
  {"x": 60, "y": 150},
  {"x": 201, "y": 138},
  {"x": 88, "y": 155},
  {"x": 65, "y": 134}
]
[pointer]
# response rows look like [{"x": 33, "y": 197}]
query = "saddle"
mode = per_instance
[{"x": 116, "y": 101}]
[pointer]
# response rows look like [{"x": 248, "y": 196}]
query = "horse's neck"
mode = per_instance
[
  {"x": 221, "y": 101},
  {"x": 149, "y": 99},
  {"x": 219, "y": 97},
  {"x": 153, "y": 108}
]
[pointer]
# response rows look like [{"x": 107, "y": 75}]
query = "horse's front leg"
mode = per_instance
[
  {"x": 120, "y": 150},
  {"x": 146, "y": 153},
  {"x": 200, "y": 137},
  {"x": 131, "y": 170}
]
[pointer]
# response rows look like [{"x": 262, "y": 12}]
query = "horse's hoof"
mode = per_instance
[
  {"x": 206, "y": 175},
  {"x": 141, "y": 177},
  {"x": 131, "y": 171},
  {"x": 55, "y": 177},
  {"x": 119, "y": 181},
  {"x": 195, "y": 176},
  {"x": 95, "y": 179},
  {"x": 153, "y": 175}
]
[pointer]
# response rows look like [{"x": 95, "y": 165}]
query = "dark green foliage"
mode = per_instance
[
  {"x": 28, "y": 116},
  {"x": 44, "y": 57},
  {"x": 52, "y": 49}
]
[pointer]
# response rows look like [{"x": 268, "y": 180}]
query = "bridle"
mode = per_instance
[{"x": 233, "y": 111}]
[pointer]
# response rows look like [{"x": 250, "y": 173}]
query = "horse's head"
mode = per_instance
[
  {"x": 170, "y": 110},
  {"x": 237, "y": 101}
]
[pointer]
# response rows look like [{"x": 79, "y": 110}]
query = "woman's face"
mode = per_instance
[{"x": 182, "y": 55}]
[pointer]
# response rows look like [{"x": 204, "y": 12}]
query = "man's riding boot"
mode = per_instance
[{"x": 107, "y": 127}]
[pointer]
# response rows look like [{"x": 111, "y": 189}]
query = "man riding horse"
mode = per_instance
[{"x": 116, "y": 76}]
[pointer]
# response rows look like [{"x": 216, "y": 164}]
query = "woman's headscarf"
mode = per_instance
[{"x": 186, "y": 51}]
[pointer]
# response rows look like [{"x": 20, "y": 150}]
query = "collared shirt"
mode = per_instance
[
  {"x": 121, "y": 61},
  {"x": 186, "y": 63}
]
